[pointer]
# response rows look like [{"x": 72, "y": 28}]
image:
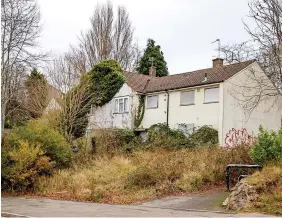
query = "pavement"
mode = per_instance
[
  {"x": 171, "y": 206},
  {"x": 211, "y": 201}
]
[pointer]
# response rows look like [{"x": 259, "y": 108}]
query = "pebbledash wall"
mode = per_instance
[
  {"x": 106, "y": 117},
  {"x": 238, "y": 123},
  {"x": 198, "y": 114}
]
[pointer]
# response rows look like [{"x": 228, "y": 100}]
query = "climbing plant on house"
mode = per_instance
[
  {"x": 140, "y": 111},
  {"x": 96, "y": 88}
]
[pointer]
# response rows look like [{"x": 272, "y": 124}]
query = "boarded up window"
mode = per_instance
[
  {"x": 152, "y": 101},
  {"x": 212, "y": 95},
  {"x": 187, "y": 98}
]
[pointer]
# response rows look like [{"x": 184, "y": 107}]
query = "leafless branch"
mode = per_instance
[{"x": 20, "y": 30}]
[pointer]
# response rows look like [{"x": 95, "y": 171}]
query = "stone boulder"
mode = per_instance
[{"x": 241, "y": 196}]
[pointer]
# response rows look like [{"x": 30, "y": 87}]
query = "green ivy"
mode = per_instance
[
  {"x": 140, "y": 111},
  {"x": 105, "y": 79}
]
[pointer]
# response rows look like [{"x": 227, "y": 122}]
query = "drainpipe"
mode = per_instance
[{"x": 167, "y": 107}]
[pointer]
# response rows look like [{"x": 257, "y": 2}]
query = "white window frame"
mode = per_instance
[
  {"x": 187, "y": 104},
  {"x": 213, "y": 101},
  {"x": 120, "y": 101},
  {"x": 149, "y": 96}
]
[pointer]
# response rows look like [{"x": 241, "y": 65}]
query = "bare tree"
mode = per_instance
[
  {"x": 110, "y": 37},
  {"x": 64, "y": 73},
  {"x": 266, "y": 47},
  {"x": 266, "y": 39},
  {"x": 20, "y": 29},
  {"x": 239, "y": 52}
]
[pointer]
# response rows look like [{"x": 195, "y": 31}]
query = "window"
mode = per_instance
[
  {"x": 212, "y": 95},
  {"x": 121, "y": 105},
  {"x": 152, "y": 101},
  {"x": 187, "y": 98}
]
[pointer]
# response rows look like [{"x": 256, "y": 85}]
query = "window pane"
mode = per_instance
[
  {"x": 121, "y": 105},
  {"x": 187, "y": 98},
  {"x": 212, "y": 95},
  {"x": 126, "y": 104},
  {"x": 116, "y": 105},
  {"x": 152, "y": 101}
]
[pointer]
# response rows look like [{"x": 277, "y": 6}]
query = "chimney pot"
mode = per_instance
[
  {"x": 217, "y": 62},
  {"x": 153, "y": 71}
]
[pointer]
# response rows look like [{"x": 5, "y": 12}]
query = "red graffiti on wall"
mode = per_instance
[{"x": 236, "y": 137}]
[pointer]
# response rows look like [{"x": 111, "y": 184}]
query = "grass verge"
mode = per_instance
[{"x": 142, "y": 175}]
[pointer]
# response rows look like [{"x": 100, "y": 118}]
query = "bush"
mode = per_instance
[
  {"x": 160, "y": 135},
  {"x": 268, "y": 146},
  {"x": 204, "y": 135},
  {"x": 112, "y": 140},
  {"x": 22, "y": 165},
  {"x": 51, "y": 141},
  {"x": 143, "y": 177}
]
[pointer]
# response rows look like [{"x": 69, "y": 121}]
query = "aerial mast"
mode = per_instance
[{"x": 218, "y": 48}]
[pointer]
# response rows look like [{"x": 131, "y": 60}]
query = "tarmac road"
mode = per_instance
[{"x": 39, "y": 207}]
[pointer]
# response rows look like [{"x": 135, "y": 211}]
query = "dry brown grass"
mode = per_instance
[
  {"x": 141, "y": 175},
  {"x": 268, "y": 184}
]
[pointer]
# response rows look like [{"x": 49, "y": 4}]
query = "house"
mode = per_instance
[{"x": 212, "y": 96}]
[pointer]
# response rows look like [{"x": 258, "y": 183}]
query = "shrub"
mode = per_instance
[
  {"x": 160, "y": 135},
  {"x": 112, "y": 140},
  {"x": 204, "y": 135},
  {"x": 22, "y": 165},
  {"x": 51, "y": 141},
  {"x": 268, "y": 146},
  {"x": 143, "y": 177}
]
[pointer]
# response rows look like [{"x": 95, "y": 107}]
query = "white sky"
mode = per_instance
[{"x": 183, "y": 28}]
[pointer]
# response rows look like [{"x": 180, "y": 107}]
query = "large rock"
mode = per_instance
[{"x": 241, "y": 196}]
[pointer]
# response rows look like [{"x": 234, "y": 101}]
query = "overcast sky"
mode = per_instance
[{"x": 183, "y": 28}]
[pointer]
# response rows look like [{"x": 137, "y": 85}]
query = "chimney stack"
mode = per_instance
[
  {"x": 217, "y": 62},
  {"x": 153, "y": 71}
]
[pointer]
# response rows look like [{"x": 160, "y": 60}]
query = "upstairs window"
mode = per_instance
[
  {"x": 212, "y": 95},
  {"x": 187, "y": 98},
  {"x": 152, "y": 101},
  {"x": 121, "y": 105}
]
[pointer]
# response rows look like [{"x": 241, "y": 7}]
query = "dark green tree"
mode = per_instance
[{"x": 152, "y": 55}]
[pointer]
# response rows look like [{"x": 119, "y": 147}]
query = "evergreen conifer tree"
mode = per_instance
[{"x": 153, "y": 54}]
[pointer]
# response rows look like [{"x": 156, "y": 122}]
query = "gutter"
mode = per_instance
[
  {"x": 167, "y": 107},
  {"x": 186, "y": 87}
]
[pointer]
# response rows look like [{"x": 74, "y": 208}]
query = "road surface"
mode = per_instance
[{"x": 39, "y": 207}]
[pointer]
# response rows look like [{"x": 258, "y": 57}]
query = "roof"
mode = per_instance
[{"x": 146, "y": 84}]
